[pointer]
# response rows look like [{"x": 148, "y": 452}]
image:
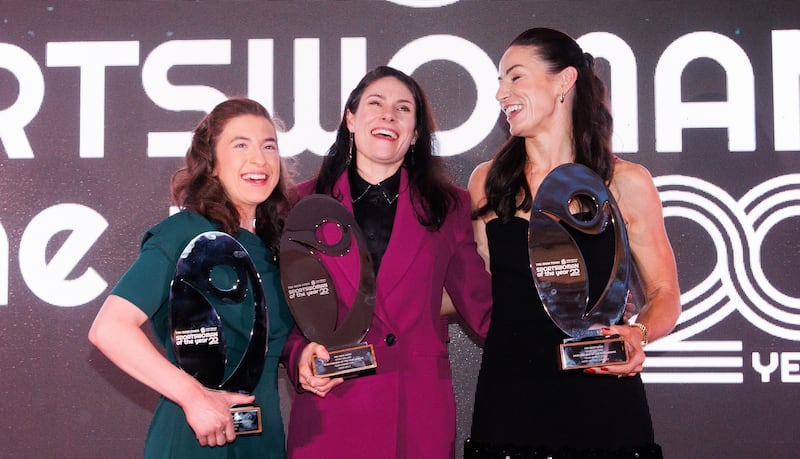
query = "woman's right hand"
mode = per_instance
[
  {"x": 305, "y": 374},
  {"x": 209, "y": 415},
  {"x": 117, "y": 332}
]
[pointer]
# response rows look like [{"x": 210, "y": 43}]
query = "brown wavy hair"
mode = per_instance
[
  {"x": 592, "y": 125},
  {"x": 195, "y": 188}
]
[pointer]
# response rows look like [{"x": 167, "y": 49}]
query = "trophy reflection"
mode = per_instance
[
  {"x": 581, "y": 264},
  {"x": 215, "y": 270},
  {"x": 318, "y": 228}
]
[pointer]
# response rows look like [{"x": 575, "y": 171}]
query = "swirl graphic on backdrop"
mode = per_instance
[{"x": 737, "y": 281}]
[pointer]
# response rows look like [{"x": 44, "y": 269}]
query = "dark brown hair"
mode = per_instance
[
  {"x": 592, "y": 124},
  {"x": 432, "y": 194},
  {"x": 195, "y": 188}
]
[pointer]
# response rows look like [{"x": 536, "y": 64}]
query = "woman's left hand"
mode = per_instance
[
  {"x": 319, "y": 386},
  {"x": 633, "y": 346}
]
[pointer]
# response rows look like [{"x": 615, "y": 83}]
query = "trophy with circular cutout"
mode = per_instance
[
  {"x": 318, "y": 229},
  {"x": 581, "y": 264},
  {"x": 215, "y": 271}
]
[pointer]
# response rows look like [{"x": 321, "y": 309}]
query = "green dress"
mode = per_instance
[{"x": 147, "y": 283}]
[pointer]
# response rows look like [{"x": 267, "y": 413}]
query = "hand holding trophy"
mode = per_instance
[
  {"x": 575, "y": 217},
  {"x": 319, "y": 226},
  {"x": 214, "y": 267}
]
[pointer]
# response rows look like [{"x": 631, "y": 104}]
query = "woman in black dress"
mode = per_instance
[{"x": 525, "y": 405}]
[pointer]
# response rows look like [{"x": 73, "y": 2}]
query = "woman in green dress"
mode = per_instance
[{"x": 231, "y": 182}]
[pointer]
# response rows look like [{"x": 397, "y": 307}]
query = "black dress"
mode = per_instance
[{"x": 525, "y": 406}]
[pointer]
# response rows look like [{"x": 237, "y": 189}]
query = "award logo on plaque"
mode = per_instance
[
  {"x": 215, "y": 268},
  {"x": 319, "y": 226},
  {"x": 581, "y": 264}
]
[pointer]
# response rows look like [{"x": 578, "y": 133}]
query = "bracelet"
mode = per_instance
[{"x": 643, "y": 329}]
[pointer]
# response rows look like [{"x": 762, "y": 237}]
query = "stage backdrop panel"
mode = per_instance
[{"x": 97, "y": 100}]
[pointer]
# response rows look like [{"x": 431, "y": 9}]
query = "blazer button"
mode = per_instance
[{"x": 390, "y": 339}]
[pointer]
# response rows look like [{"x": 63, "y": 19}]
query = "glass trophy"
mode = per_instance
[
  {"x": 318, "y": 229},
  {"x": 581, "y": 264},
  {"x": 214, "y": 269}
]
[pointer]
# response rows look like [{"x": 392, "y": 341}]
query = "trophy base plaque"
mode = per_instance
[
  {"x": 348, "y": 362},
  {"x": 246, "y": 419},
  {"x": 592, "y": 352}
]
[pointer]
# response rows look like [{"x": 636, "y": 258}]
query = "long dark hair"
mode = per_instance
[
  {"x": 592, "y": 124},
  {"x": 195, "y": 188},
  {"x": 432, "y": 195}
]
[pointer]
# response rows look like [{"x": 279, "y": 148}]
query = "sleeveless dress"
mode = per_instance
[{"x": 525, "y": 405}]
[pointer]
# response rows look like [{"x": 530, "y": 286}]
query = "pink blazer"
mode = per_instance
[{"x": 406, "y": 409}]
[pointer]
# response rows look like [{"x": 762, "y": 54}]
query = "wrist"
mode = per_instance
[
  {"x": 187, "y": 392},
  {"x": 643, "y": 330}
]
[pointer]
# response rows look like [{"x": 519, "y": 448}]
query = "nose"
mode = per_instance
[
  {"x": 502, "y": 92},
  {"x": 258, "y": 157},
  {"x": 387, "y": 114}
]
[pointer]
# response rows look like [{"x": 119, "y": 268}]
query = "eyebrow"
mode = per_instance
[
  {"x": 382, "y": 97},
  {"x": 508, "y": 70},
  {"x": 241, "y": 137}
]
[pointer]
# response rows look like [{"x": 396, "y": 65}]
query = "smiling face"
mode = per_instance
[
  {"x": 528, "y": 92},
  {"x": 384, "y": 127},
  {"x": 247, "y": 163}
]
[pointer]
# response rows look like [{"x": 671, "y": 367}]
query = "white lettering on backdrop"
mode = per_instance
[{"x": 672, "y": 114}]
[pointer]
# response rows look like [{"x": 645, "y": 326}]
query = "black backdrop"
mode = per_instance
[{"x": 705, "y": 95}]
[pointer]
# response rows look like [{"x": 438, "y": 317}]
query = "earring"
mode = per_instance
[
  {"x": 350, "y": 150},
  {"x": 409, "y": 158},
  {"x": 561, "y": 97}
]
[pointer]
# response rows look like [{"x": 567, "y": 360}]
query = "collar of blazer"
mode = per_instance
[{"x": 404, "y": 244}]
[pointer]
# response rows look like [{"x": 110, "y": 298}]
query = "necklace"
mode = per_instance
[{"x": 389, "y": 200}]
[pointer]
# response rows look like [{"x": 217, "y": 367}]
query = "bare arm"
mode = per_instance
[
  {"x": 650, "y": 246},
  {"x": 448, "y": 308},
  {"x": 477, "y": 196},
  {"x": 117, "y": 332},
  {"x": 640, "y": 205}
]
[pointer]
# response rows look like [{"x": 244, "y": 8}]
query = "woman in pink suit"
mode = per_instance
[{"x": 419, "y": 234}]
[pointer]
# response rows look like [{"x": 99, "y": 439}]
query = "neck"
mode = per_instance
[
  {"x": 547, "y": 154},
  {"x": 375, "y": 174},
  {"x": 249, "y": 226},
  {"x": 247, "y": 220}
]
